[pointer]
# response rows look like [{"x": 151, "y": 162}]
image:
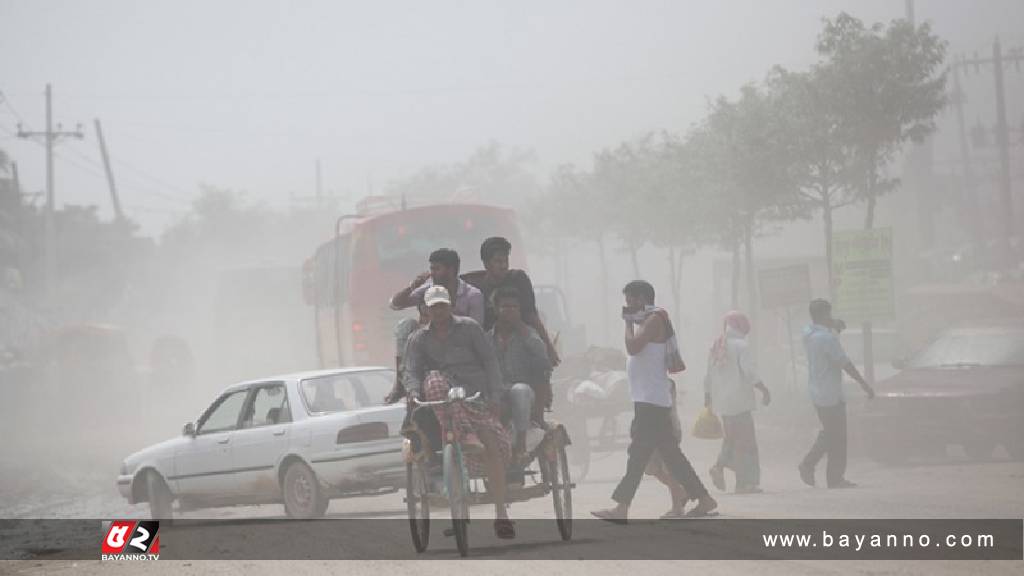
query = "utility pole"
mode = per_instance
[
  {"x": 970, "y": 193},
  {"x": 1003, "y": 140},
  {"x": 16, "y": 181},
  {"x": 18, "y": 203},
  {"x": 50, "y": 137},
  {"x": 1002, "y": 133},
  {"x": 921, "y": 165},
  {"x": 118, "y": 214},
  {"x": 319, "y": 185}
]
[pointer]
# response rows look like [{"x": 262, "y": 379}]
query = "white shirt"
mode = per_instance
[
  {"x": 731, "y": 382},
  {"x": 648, "y": 375}
]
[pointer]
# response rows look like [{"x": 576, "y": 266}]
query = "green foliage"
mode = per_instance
[
  {"x": 795, "y": 143},
  {"x": 492, "y": 175},
  {"x": 886, "y": 85}
]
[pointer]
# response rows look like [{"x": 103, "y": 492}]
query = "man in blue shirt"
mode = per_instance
[{"x": 826, "y": 361}]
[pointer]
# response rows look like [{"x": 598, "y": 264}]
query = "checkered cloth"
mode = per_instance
[{"x": 467, "y": 417}]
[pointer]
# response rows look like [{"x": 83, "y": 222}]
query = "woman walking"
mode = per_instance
[{"x": 729, "y": 391}]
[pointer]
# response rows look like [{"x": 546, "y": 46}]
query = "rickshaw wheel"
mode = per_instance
[
  {"x": 580, "y": 453},
  {"x": 457, "y": 484},
  {"x": 560, "y": 480},
  {"x": 417, "y": 501}
]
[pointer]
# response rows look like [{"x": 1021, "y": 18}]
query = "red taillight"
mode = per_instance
[
  {"x": 469, "y": 224},
  {"x": 357, "y": 327},
  {"x": 360, "y": 346}
]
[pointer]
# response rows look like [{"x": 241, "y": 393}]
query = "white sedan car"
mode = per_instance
[{"x": 300, "y": 439}]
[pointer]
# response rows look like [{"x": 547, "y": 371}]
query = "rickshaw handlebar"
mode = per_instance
[{"x": 419, "y": 402}]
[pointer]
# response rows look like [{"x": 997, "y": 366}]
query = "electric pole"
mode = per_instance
[
  {"x": 970, "y": 193},
  {"x": 118, "y": 214},
  {"x": 1002, "y": 132},
  {"x": 1003, "y": 140},
  {"x": 921, "y": 162},
  {"x": 16, "y": 181},
  {"x": 50, "y": 138},
  {"x": 319, "y": 184}
]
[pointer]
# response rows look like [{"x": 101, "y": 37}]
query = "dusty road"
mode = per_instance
[{"x": 945, "y": 487}]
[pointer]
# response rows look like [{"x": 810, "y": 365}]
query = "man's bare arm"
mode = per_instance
[
  {"x": 850, "y": 369},
  {"x": 403, "y": 298},
  {"x": 652, "y": 330}
]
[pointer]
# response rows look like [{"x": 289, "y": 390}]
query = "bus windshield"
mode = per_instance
[{"x": 404, "y": 244}]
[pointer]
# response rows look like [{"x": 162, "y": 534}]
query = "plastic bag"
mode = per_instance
[{"x": 707, "y": 426}]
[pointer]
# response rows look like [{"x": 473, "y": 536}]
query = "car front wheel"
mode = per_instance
[
  {"x": 1015, "y": 446},
  {"x": 302, "y": 494},
  {"x": 979, "y": 448},
  {"x": 159, "y": 496}
]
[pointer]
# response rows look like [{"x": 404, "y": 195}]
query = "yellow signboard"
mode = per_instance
[{"x": 862, "y": 274}]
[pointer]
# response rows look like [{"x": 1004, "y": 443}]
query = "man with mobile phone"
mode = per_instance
[
  {"x": 647, "y": 369},
  {"x": 826, "y": 361}
]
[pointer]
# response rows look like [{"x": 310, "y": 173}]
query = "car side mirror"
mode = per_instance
[
  {"x": 189, "y": 430},
  {"x": 899, "y": 363}
]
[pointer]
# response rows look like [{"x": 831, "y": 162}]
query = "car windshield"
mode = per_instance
[
  {"x": 997, "y": 347},
  {"x": 886, "y": 345},
  {"x": 349, "y": 391}
]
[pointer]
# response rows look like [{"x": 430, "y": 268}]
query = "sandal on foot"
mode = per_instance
[
  {"x": 703, "y": 508},
  {"x": 504, "y": 528},
  {"x": 717, "y": 477},
  {"x": 609, "y": 516}
]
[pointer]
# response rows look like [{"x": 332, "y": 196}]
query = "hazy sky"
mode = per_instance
[{"x": 246, "y": 94}]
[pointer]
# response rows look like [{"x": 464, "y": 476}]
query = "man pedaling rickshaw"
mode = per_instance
[{"x": 454, "y": 351}]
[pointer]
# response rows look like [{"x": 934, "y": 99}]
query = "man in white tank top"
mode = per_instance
[{"x": 647, "y": 369}]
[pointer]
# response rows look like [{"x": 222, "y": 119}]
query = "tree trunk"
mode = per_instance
[
  {"x": 562, "y": 273},
  {"x": 604, "y": 291},
  {"x": 753, "y": 304},
  {"x": 826, "y": 215},
  {"x": 560, "y": 264},
  {"x": 674, "y": 278},
  {"x": 869, "y": 217},
  {"x": 869, "y": 223},
  {"x": 735, "y": 300},
  {"x": 633, "y": 258}
]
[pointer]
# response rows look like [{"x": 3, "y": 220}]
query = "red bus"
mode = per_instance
[{"x": 350, "y": 278}]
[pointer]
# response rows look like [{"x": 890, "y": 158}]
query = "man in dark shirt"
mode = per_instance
[
  {"x": 405, "y": 329},
  {"x": 453, "y": 351},
  {"x": 525, "y": 368},
  {"x": 494, "y": 253}
]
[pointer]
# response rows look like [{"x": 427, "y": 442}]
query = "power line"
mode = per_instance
[
  {"x": 92, "y": 167},
  {"x": 10, "y": 107},
  {"x": 148, "y": 188}
]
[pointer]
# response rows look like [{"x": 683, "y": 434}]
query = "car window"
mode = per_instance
[
  {"x": 340, "y": 392},
  {"x": 970, "y": 348},
  {"x": 373, "y": 386},
  {"x": 328, "y": 394},
  {"x": 269, "y": 406},
  {"x": 885, "y": 345},
  {"x": 223, "y": 415}
]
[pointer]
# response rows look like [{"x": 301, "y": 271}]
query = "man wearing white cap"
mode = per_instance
[{"x": 454, "y": 351}]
